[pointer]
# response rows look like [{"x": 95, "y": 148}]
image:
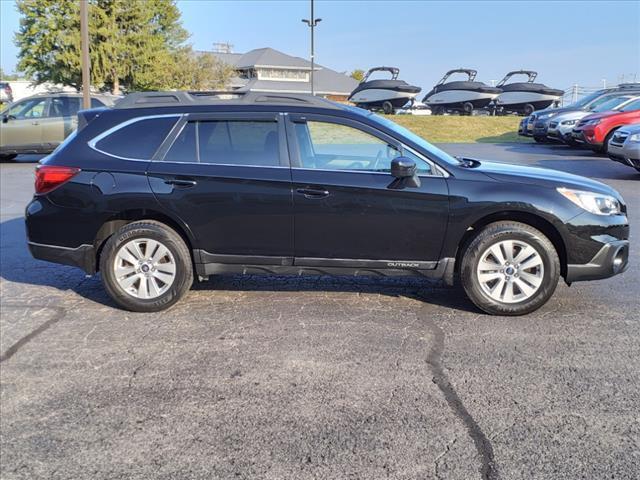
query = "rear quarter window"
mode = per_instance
[{"x": 139, "y": 140}]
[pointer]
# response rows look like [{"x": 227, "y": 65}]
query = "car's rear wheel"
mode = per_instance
[
  {"x": 510, "y": 268},
  {"x": 146, "y": 266},
  {"x": 528, "y": 109}
]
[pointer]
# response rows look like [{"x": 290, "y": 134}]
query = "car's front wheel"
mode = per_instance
[
  {"x": 510, "y": 268},
  {"x": 146, "y": 266}
]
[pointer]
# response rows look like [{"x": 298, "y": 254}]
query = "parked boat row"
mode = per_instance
[{"x": 462, "y": 96}]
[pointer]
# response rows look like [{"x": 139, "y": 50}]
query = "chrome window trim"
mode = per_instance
[
  {"x": 217, "y": 164},
  {"x": 92, "y": 143}
]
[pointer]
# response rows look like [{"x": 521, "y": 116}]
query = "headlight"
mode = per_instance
[
  {"x": 635, "y": 137},
  {"x": 597, "y": 203},
  {"x": 544, "y": 116},
  {"x": 593, "y": 122},
  {"x": 569, "y": 122}
]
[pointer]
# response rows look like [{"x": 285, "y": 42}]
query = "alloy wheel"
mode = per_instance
[
  {"x": 510, "y": 271},
  {"x": 144, "y": 268}
]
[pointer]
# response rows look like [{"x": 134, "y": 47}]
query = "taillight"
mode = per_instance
[{"x": 49, "y": 177}]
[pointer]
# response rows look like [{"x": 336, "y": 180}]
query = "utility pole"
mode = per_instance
[
  {"x": 312, "y": 22},
  {"x": 84, "y": 54}
]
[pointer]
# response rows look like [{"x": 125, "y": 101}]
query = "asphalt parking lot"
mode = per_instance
[{"x": 296, "y": 378}]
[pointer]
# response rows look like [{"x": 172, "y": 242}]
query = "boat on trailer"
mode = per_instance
[
  {"x": 525, "y": 97},
  {"x": 386, "y": 94},
  {"x": 463, "y": 96}
]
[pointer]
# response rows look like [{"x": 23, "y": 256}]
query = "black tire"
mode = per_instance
[
  {"x": 493, "y": 234},
  {"x": 541, "y": 140},
  {"x": 528, "y": 109},
  {"x": 437, "y": 110},
  {"x": 8, "y": 157},
  {"x": 171, "y": 240},
  {"x": 605, "y": 145},
  {"x": 467, "y": 108},
  {"x": 387, "y": 108}
]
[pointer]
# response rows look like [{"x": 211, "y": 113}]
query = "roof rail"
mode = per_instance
[
  {"x": 182, "y": 98},
  {"x": 629, "y": 85}
]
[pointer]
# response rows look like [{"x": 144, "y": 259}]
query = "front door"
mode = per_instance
[
  {"x": 227, "y": 177},
  {"x": 21, "y": 126},
  {"x": 345, "y": 206}
]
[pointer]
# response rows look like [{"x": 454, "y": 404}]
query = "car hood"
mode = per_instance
[
  {"x": 506, "y": 172},
  {"x": 572, "y": 115},
  {"x": 555, "y": 111},
  {"x": 594, "y": 116},
  {"x": 630, "y": 129}
]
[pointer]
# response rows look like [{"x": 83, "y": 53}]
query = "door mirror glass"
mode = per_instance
[
  {"x": 5, "y": 118},
  {"x": 403, "y": 167}
]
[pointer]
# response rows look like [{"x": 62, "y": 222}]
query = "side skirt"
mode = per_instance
[{"x": 209, "y": 264}]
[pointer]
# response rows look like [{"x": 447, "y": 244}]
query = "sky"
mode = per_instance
[{"x": 574, "y": 42}]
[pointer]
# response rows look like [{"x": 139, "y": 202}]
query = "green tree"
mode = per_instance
[
  {"x": 137, "y": 44},
  {"x": 357, "y": 74}
]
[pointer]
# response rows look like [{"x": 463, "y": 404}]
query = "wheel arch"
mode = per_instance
[
  {"x": 531, "y": 219},
  {"x": 117, "y": 221}
]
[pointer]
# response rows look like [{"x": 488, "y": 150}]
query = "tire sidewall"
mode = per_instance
[
  {"x": 184, "y": 271},
  {"x": 473, "y": 255}
]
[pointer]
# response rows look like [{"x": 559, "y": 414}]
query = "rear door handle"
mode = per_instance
[
  {"x": 179, "y": 182},
  {"x": 313, "y": 192}
]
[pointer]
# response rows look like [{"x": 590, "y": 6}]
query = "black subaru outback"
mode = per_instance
[{"x": 168, "y": 186}]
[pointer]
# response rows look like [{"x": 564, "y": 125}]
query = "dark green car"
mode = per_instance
[{"x": 40, "y": 123}]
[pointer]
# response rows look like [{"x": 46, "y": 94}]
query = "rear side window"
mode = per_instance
[
  {"x": 233, "y": 142},
  {"x": 138, "y": 140},
  {"x": 64, "y": 106}
]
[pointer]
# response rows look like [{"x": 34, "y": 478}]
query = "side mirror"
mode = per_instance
[
  {"x": 5, "y": 118},
  {"x": 405, "y": 172},
  {"x": 403, "y": 167}
]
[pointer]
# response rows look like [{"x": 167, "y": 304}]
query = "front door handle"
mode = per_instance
[
  {"x": 182, "y": 183},
  {"x": 313, "y": 192}
]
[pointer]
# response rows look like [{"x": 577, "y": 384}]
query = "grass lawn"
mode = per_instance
[{"x": 459, "y": 129}]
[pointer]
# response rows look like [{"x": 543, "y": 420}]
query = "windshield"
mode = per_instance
[
  {"x": 609, "y": 103},
  {"x": 406, "y": 133},
  {"x": 631, "y": 106},
  {"x": 584, "y": 101}
]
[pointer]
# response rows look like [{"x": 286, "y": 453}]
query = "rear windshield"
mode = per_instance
[{"x": 138, "y": 140}]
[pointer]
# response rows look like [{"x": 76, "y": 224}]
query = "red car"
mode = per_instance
[{"x": 596, "y": 129}]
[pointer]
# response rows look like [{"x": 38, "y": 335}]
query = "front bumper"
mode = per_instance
[
  {"x": 83, "y": 256},
  {"x": 612, "y": 259}
]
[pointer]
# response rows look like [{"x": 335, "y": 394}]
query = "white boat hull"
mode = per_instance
[
  {"x": 379, "y": 95},
  {"x": 452, "y": 97}
]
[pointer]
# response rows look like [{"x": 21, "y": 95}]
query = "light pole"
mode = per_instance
[
  {"x": 312, "y": 22},
  {"x": 84, "y": 54}
]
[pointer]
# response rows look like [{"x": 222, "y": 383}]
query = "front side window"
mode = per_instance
[
  {"x": 332, "y": 146},
  {"x": 33, "y": 108},
  {"x": 138, "y": 140}
]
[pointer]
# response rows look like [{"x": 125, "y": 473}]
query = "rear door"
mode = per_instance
[
  {"x": 227, "y": 177},
  {"x": 346, "y": 208}
]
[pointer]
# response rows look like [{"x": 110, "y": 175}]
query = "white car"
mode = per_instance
[
  {"x": 624, "y": 146},
  {"x": 560, "y": 126}
]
